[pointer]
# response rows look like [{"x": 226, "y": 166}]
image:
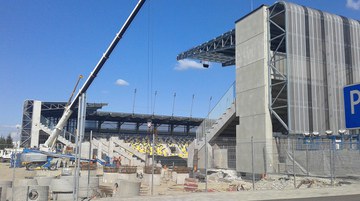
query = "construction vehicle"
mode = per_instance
[
  {"x": 36, "y": 158},
  {"x": 6, "y": 154}
]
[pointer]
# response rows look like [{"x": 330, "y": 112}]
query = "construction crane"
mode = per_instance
[
  {"x": 73, "y": 92},
  {"x": 50, "y": 142}
]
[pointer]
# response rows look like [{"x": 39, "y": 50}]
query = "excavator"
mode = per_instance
[{"x": 45, "y": 154}]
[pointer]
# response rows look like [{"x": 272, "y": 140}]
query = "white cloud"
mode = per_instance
[
  {"x": 188, "y": 64},
  {"x": 13, "y": 130},
  {"x": 121, "y": 82},
  {"x": 9, "y": 126},
  {"x": 353, "y": 4}
]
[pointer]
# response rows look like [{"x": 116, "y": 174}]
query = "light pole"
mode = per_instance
[
  {"x": 18, "y": 129},
  {"x": 206, "y": 148},
  {"x": 149, "y": 123}
]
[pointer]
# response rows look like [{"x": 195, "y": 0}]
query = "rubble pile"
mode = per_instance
[{"x": 227, "y": 180}]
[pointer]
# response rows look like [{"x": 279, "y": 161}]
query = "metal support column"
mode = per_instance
[{"x": 79, "y": 138}]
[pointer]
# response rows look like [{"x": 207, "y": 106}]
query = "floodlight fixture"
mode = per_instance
[
  {"x": 306, "y": 134},
  {"x": 149, "y": 123},
  {"x": 316, "y": 133},
  {"x": 342, "y": 131},
  {"x": 205, "y": 64},
  {"x": 329, "y": 132}
]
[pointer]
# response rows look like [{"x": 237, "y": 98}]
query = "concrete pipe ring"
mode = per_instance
[{"x": 33, "y": 195}]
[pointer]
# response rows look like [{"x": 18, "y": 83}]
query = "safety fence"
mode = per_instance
[{"x": 279, "y": 163}]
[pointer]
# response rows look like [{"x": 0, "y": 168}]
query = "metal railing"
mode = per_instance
[{"x": 217, "y": 111}]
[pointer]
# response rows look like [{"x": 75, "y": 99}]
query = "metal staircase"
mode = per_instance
[{"x": 218, "y": 126}]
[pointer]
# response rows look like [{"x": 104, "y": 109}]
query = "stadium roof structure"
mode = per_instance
[
  {"x": 144, "y": 118},
  {"x": 220, "y": 50},
  {"x": 56, "y": 109}
]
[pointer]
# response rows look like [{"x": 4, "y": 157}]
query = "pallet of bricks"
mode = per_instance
[
  {"x": 191, "y": 185},
  {"x": 88, "y": 166},
  {"x": 148, "y": 170},
  {"x": 127, "y": 169},
  {"x": 182, "y": 169},
  {"x": 110, "y": 169}
]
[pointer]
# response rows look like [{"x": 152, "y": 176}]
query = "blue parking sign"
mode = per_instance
[{"x": 352, "y": 106}]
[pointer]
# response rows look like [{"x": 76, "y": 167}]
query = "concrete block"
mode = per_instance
[
  {"x": 63, "y": 196},
  {"x": 112, "y": 177},
  {"x": 125, "y": 188},
  {"x": 85, "y": 173},
  {"x": 88, "y": 187},
  {"x": 44, "y": 181},
  {"x": 180, "y": 178},
  {"x": 221, "y": 158},
  {"x": 147, "y": 179},
  {"x": 25, "y": 182},
  {"x": 4, "y": 186},
  {"x": 62, "y": 185},
  {"x": 37, "y": 193},
  {"x": 173, "y": 176}
]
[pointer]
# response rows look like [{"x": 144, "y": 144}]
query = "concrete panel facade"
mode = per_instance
[
  {"x": 221, "y": 158},
  {"x": 35, "y": 126},
  {"x": 201, "y": 157},
  {"x": 252, "y": 93}
]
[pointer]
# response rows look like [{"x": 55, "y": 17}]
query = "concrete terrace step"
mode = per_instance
[
  {"x": 128, "y": 148},
  {"x": 104, "y": 144}
]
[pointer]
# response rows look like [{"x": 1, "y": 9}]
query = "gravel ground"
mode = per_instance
[{"x": 218, "y": 183}]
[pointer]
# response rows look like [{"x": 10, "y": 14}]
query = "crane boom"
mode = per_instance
[{"x": 50, "y": 142}]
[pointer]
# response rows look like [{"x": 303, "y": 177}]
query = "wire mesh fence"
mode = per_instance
[{"x": 280, "y": 163}]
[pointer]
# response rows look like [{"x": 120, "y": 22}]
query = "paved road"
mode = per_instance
[
  {"x": 343, "y": 193},
  {"x": 331, "y": 198}
]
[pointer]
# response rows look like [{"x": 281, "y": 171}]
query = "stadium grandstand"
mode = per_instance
[{"x": 173, "y": 134}]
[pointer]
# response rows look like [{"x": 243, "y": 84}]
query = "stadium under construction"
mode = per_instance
[{"x": 291, "y": 62}]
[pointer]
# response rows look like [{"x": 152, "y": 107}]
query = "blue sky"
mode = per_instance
[{"x": 45, "y": 45}]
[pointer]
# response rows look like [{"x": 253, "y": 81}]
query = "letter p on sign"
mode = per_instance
[
  {"x": 352, "y": 106},
  {"x": 354, "y": 100}
]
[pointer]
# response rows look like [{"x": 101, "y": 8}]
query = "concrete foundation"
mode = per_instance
[
  {"x": 179, "y": 178},
  {"x": 62, "y": 185},
  {"x": 88, "y": 188},
  {"x": 201, "y": 157},
  {"x": 44, "y": 181},
  {"x": 37, "y": 193},
  {"x": 4, "y": 186},
  {"x": 112, "y": 177},
  {"x": 125, "y": 188},
  {"x": 85, "y": 173},
  {"x": 147, "y": 179},
  {"x": 25, "y": 182},
  {"x": 63, "y": 196},
  {"x": 221, "y": 158}
]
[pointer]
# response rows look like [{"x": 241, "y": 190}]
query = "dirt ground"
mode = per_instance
[
  {"x": 216, "y": 182},
  {"x": 6, "y": 173}
]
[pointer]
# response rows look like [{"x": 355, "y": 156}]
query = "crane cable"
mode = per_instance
[
  {"x": 150, "y": 60},
  {"x": 72, "y": 94}
]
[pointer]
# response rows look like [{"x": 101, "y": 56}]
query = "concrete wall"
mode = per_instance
[
  {"x": 252, "y": 92},
  {"x": 221, "y": 158},
  {"x": 201, "y": 157},
  {"x": 191, "y": 152}
]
